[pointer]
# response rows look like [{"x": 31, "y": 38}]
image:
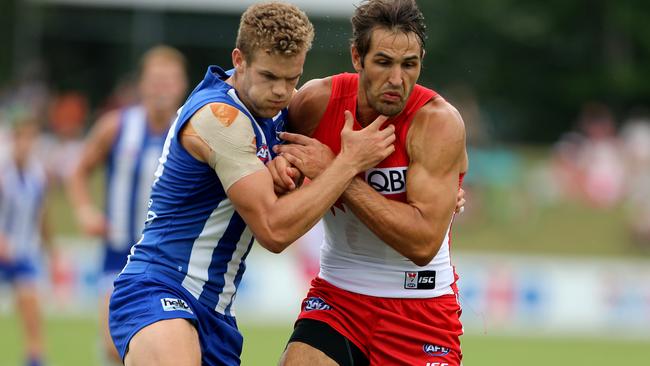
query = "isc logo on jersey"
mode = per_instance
[
  {"x": 422, "y": 280},
  {"x": 387, "y": 180},
  {"x": 169, "y": 304}
]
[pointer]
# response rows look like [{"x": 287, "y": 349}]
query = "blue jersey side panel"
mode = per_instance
[{"x": 193, "y": 235}]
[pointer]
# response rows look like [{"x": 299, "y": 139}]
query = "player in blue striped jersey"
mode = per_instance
[
  {"x": 128, "y": 142},
  {"x": 22, "y": 193},
  {"x": 213, "y": 195}
]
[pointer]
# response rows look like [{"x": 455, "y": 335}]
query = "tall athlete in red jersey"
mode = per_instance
[{"x": 386, "y": 292}]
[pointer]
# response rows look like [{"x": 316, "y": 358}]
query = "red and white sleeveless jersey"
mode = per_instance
[{"x": 353, "y": 257}]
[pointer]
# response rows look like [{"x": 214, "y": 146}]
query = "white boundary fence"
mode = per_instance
[{"x": 500, "y": 293}]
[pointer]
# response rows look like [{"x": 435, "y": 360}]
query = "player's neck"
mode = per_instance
[{"x": 364, "y": 113}]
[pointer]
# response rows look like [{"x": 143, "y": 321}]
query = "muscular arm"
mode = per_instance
[
  {"x": 275, "y": 222},
  {"x": 93, "y": 155},
  {"x": 416, "y": 229}
]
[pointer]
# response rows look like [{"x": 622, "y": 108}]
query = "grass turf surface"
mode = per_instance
[{"x": 73, "y": 342}]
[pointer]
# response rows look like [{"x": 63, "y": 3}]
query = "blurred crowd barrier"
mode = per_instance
[{"x": 500, "y": 294}]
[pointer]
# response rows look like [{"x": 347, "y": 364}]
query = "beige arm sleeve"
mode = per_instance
[{"x": 229, "y": 134}]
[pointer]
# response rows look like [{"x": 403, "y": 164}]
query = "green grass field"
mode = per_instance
[{"x": 73, "y": 342}]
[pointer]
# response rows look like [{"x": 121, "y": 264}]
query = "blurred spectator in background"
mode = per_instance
[
  {"x": 635, "y": 137},
  {"x": 495, "y": 169},
  {"x": 128, "y": 142},
  {"x": 565, "y": 174},
  {"x": 587, "y": 165},
  {"x": 67, "y": 114},
  {"x": 29, "y": 87},
  {"x": 22, "y": 226},
  {"x": 599, "y": 159}
]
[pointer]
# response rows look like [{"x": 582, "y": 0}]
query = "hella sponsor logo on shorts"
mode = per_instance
[
  {"x": 316, "y": 303},
  {"x": 387, "y": 180},
  {"x": 169, "y": 304},
  {"x": 437, "y": 364},
  {"x": 435, "y": 350}
]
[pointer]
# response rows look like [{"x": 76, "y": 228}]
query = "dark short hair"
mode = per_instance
[{"x": 396, "y": 15}]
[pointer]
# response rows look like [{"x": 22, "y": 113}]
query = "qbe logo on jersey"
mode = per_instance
[
  {"x": 169, "y": 304},
  {"x": 422, "y": 280},
  {"x": 387, "y": 180}
]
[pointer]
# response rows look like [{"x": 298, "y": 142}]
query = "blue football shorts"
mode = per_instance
[
  {"x": 142, "y": 299},
  {"x": 18, "y": 270}
]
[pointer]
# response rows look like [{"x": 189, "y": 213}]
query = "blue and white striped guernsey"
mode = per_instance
[
  {"x": 131, "y": 165},
  {"x": 193, "y": 236},
  {"x": 21, "y": 201}
]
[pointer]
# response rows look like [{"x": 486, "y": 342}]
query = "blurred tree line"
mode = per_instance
[
  {"x": 530, "y": 64},
  {"x": 533, "y": 63}
]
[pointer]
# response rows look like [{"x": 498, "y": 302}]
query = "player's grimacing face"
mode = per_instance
[
  {"x": 268, "y": 82},
  {"x": 390, "y": 70}
]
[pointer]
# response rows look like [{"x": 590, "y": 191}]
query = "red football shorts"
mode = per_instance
[{"x": 389, "y": 331}]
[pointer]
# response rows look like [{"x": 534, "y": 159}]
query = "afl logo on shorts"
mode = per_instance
[
  {"x": 435, "y": 350},
  {"x": 316, "y": 303},
  {"x": 387, "y": 180}
]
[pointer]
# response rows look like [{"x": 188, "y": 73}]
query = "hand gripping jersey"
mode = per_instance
[
  {"x": 193, "y": 237},
  {"x": 353, "y": 257}
]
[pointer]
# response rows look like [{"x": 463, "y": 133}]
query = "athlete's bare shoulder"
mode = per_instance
[
  {"x": 308, "y": 106},
  {"x": 438, "y": 120},
  {"x": 217, "y": 127},
  {"x": 437, "y": 130}
]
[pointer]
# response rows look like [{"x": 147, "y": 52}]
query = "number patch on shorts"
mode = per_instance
[{"x": 422, "y": 280}]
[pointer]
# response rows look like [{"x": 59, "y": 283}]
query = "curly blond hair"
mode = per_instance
[{"x": 276, "y": 28}]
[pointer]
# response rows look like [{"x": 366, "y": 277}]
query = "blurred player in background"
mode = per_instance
[
  {"x": 213, "y": 195},
  {"x": 386, "y": 291},
  {"x": 23, "y": 229},
  {"x": 128, "y": 142}
]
